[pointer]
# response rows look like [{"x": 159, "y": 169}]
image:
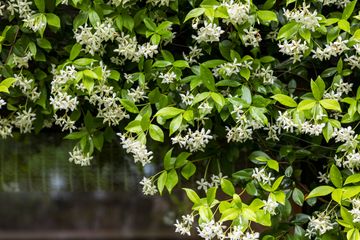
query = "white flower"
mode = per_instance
[
  {"x": 210, "y": 32},
  {"x": 136, "y": 148},
  {"x": 168, "y": 77},
  {"x": 251, "y": 236},
  {"x": 241, "y": 133},
  {"x": 261, "y": 176},
  {"x": 270, "y": 206},
  {"x": 194, "y": 54},
  {"x": 149, "y": 187},
  {"x": 78, "y": 157},
  {"x": 203, "y": 184},
  {"x": 355, "y": 211},
  {"x": 295, "y": 49},
  {"x": 210, "y": 230},
  {"x": 304, "y": 16},
  {"x": 64, "y": 101},
  {"x": 2, "y": 102},
  {"x": 216, "y": 179},
  {"x": 35, "y": 22},
  {"x": 65, "y": 122},
  {"x": 194, "y": 141},
  {"x": 237, "y": 11},
  {"x": 5, "y": 128},
  {"x": 285, "y": 122},
  {"x": 319, "y": 225},
  {"x": 187, "y": 98},
  {"x": 338, "y": 3},
  {"x": 312, "y": 129},
  {"x": 236, "y": 233},
  {"x": 323, "y": 177},
  {"x": 265, "y": 74},
  {"x": 332, "y": 49},
  {"x": 24, "y": 120},
  {"x": 22, "y": 61},
  {"x": 182, "y": 228},
  {"x": 251, "y": 37},
  {"x": 137, "y": 94}
]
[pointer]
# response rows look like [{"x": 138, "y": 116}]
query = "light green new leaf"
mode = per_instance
[
  {"x": 335, "y": 176},
  {"x": 192, "y": 195},
  {"x": 320, "y": 191},
  {"x": 285, "y": 100},
  {"x": 227, "y": 187},
  {"x": 171, "y": 180},
  {"x": 196, "y": 12},
  {"x": 161, "y": 182},
  {"x": 331, "y": 104},
  {"x": 188, "y": 170},
  {"x": 306, "y": 104},
  {"x": 156, "y": 133},
  {"x": 355, "y": 178},
  {"x": 169, "y": 112}
]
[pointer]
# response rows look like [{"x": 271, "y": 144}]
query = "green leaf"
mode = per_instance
[
  {"x": 181, "y": 159},
  {"x": 8, "y": 82},
  {"x": 273, "y": 165},
  {"x": 188, "y": 170},
  {"x": 43, "y": 43},
  {"x": 76, "y": 135},
  {"x": 331, "y": 104},
  {"x": 355, "y": 178},
  {"x": 268, "y": 4},
  {"x": 306, "y": 104},
  {"x": 285, "y": 100},
  {"x": 75, "y": 51},
  {"x": 129, "y": 105},
  {"x": 211, "y": 195},
  {"x": 40, "y": 4},
  {"x": 349, "y": 9},
  {"x": 288, "y": 30},
  {"x": 181, "y": 64},
  {"x": 277, "y": 183},
  {"x": 169, "y": 112},
  {"x": 266, "y": 15},
  {"x": 90, "y": 74},
  {"x": 84, "y": 61},
  {"x": 156, "y": 133},
  {"x": 128, "y": 22},
  {"x": 94, "y": 18},
  {"x": 207, "y": 78},
  {"x": 196, "y": 12},
  {"x": 192, "y": 195},
  {"x": 161, "y": 64},
  {"x": 171, "y": 180},
  {"x": 315, "y": 90},
  {"x": 98, "y": 140},
  {"x": 218, "y": 99},
  {"x": 53, "y": 20},
  {"x": 344, "y": 25},
  {"x": 161, "y": 181},
  {"x": 227, "y": 187},
  {"x": 298, "y": 197},
  {"x": 175, "y": 124},
  {"x": 335, "y": 176},
  {"x": 150, "y": 24},
  {"x": 320, "y": 191}
]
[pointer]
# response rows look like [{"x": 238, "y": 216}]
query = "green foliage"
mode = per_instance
[{"x": 255, "y": 102}]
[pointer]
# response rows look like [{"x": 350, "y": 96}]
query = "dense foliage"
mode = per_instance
[{"x": 254, "y": 101}]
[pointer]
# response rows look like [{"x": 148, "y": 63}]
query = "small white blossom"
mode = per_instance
[
  {"x": 270, "y": 206},
  {"x": 136, "y": 148},
  {"x": 24, "y": 120},
  {"x": 149, "y": 187},
  {"x": 319, "y": 225},
  {"x": 78, "y": 157},
  {"x": 210, "y": 32}
]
